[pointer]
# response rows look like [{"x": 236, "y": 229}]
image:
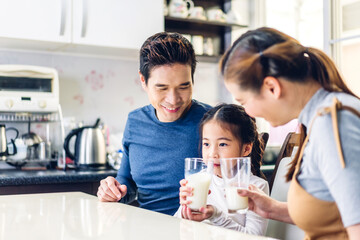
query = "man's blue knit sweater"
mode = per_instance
[{"x": 154, "y": 153}]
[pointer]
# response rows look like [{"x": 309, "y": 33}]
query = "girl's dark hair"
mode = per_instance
[
  {"x": 165, "y": 49},
  {"x": 242, "y": 126},
  {"x": 268, "y": 52}
]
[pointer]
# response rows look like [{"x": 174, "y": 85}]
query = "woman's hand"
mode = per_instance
[
  {"x": 264, "y": 205},
  {"x": 259, "y": 202},
  {"x": 202, "y": 214}
]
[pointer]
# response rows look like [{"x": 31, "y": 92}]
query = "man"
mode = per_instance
[{"x": 158, "y": 137}]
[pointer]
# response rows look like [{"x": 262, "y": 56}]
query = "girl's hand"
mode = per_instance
[
  {"x": 184, "y": 192},
  {"x": 204, "y": 213}
]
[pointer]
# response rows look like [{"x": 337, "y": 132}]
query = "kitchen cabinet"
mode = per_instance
[
  {"x": 69, "y": 23},
  {"x": 36, "y": 20},
  {"x": 15, "y": 181},
  {"x": 86, "y": 187},
  {"x": 218, "y": 31},
  {"x": 116, "y": 23}
]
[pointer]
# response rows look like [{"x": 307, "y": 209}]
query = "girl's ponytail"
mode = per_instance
[{"x": 256, "y": 156}]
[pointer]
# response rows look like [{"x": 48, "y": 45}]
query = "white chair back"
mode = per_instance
[{"x": 279, "y": 192}]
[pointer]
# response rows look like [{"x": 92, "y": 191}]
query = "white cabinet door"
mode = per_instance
[
  {"x": 116, "y": 23},
  {"x": 46, "y": 20}
]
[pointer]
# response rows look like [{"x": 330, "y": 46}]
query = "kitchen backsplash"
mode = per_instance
[
  {"x": 109, "y": 88},
  {"x": 92, "y": 86}
]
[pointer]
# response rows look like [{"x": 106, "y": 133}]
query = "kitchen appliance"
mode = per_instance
[
  {"x": 4, "y": 150},
  {"x": 90, "y": 147},
  {"x": 40, "y": 140},
  {"x": 36, "y": 147},
  {"x": 29, "y": 103},
  {"x": 26, "y": 88}
]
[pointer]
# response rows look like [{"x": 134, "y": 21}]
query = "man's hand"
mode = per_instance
[{"x": 110, "y": 190}]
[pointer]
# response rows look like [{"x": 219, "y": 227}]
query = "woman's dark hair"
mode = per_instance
[
  {"x": 165, "y": 49},
  {"x": 242, "y": 126},
  {"x": 268, "y": 52}
]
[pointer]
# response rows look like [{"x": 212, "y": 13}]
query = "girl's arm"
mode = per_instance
[{"x": 254, "y": 224}]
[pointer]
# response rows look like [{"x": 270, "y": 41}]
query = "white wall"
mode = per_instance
[{"x": 92, "y": 87}]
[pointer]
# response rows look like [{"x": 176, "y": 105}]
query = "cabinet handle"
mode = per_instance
[
  {"x": 63, "y": 17},
  {"x": 84, "y": 18}
]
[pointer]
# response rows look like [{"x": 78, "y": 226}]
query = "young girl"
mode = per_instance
[{"x": 227, "y": 131}]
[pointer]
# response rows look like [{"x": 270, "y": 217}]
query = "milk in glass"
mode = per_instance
[
  {"x": 200, "y": 182},
  {"x": 234, "y": 201}
]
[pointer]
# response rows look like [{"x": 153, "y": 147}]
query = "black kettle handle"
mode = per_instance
[
  {"x": 96, "y": 123},
  {"x": 67, "y": 141},
  {"x": 13, "y": 129}
]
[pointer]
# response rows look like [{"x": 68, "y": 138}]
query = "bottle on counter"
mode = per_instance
[{"x": 114, "y": 158}]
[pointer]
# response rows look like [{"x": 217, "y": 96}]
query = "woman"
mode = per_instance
[{"x": 273, "y": 76}]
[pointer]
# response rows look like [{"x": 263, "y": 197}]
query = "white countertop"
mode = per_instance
[{"x": 76, "y": 215}]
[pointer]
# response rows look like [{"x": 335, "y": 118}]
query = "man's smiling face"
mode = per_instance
[{"x": 169, "y": 89}]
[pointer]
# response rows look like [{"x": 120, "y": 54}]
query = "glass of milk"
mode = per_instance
[
  {"x": 198, "y": 173},
  {"x": 236, "y": 174}
]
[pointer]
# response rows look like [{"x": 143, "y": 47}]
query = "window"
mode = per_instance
[
  {"x": 343, "y": 18},
  {"x": 303, "y": 20}
]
